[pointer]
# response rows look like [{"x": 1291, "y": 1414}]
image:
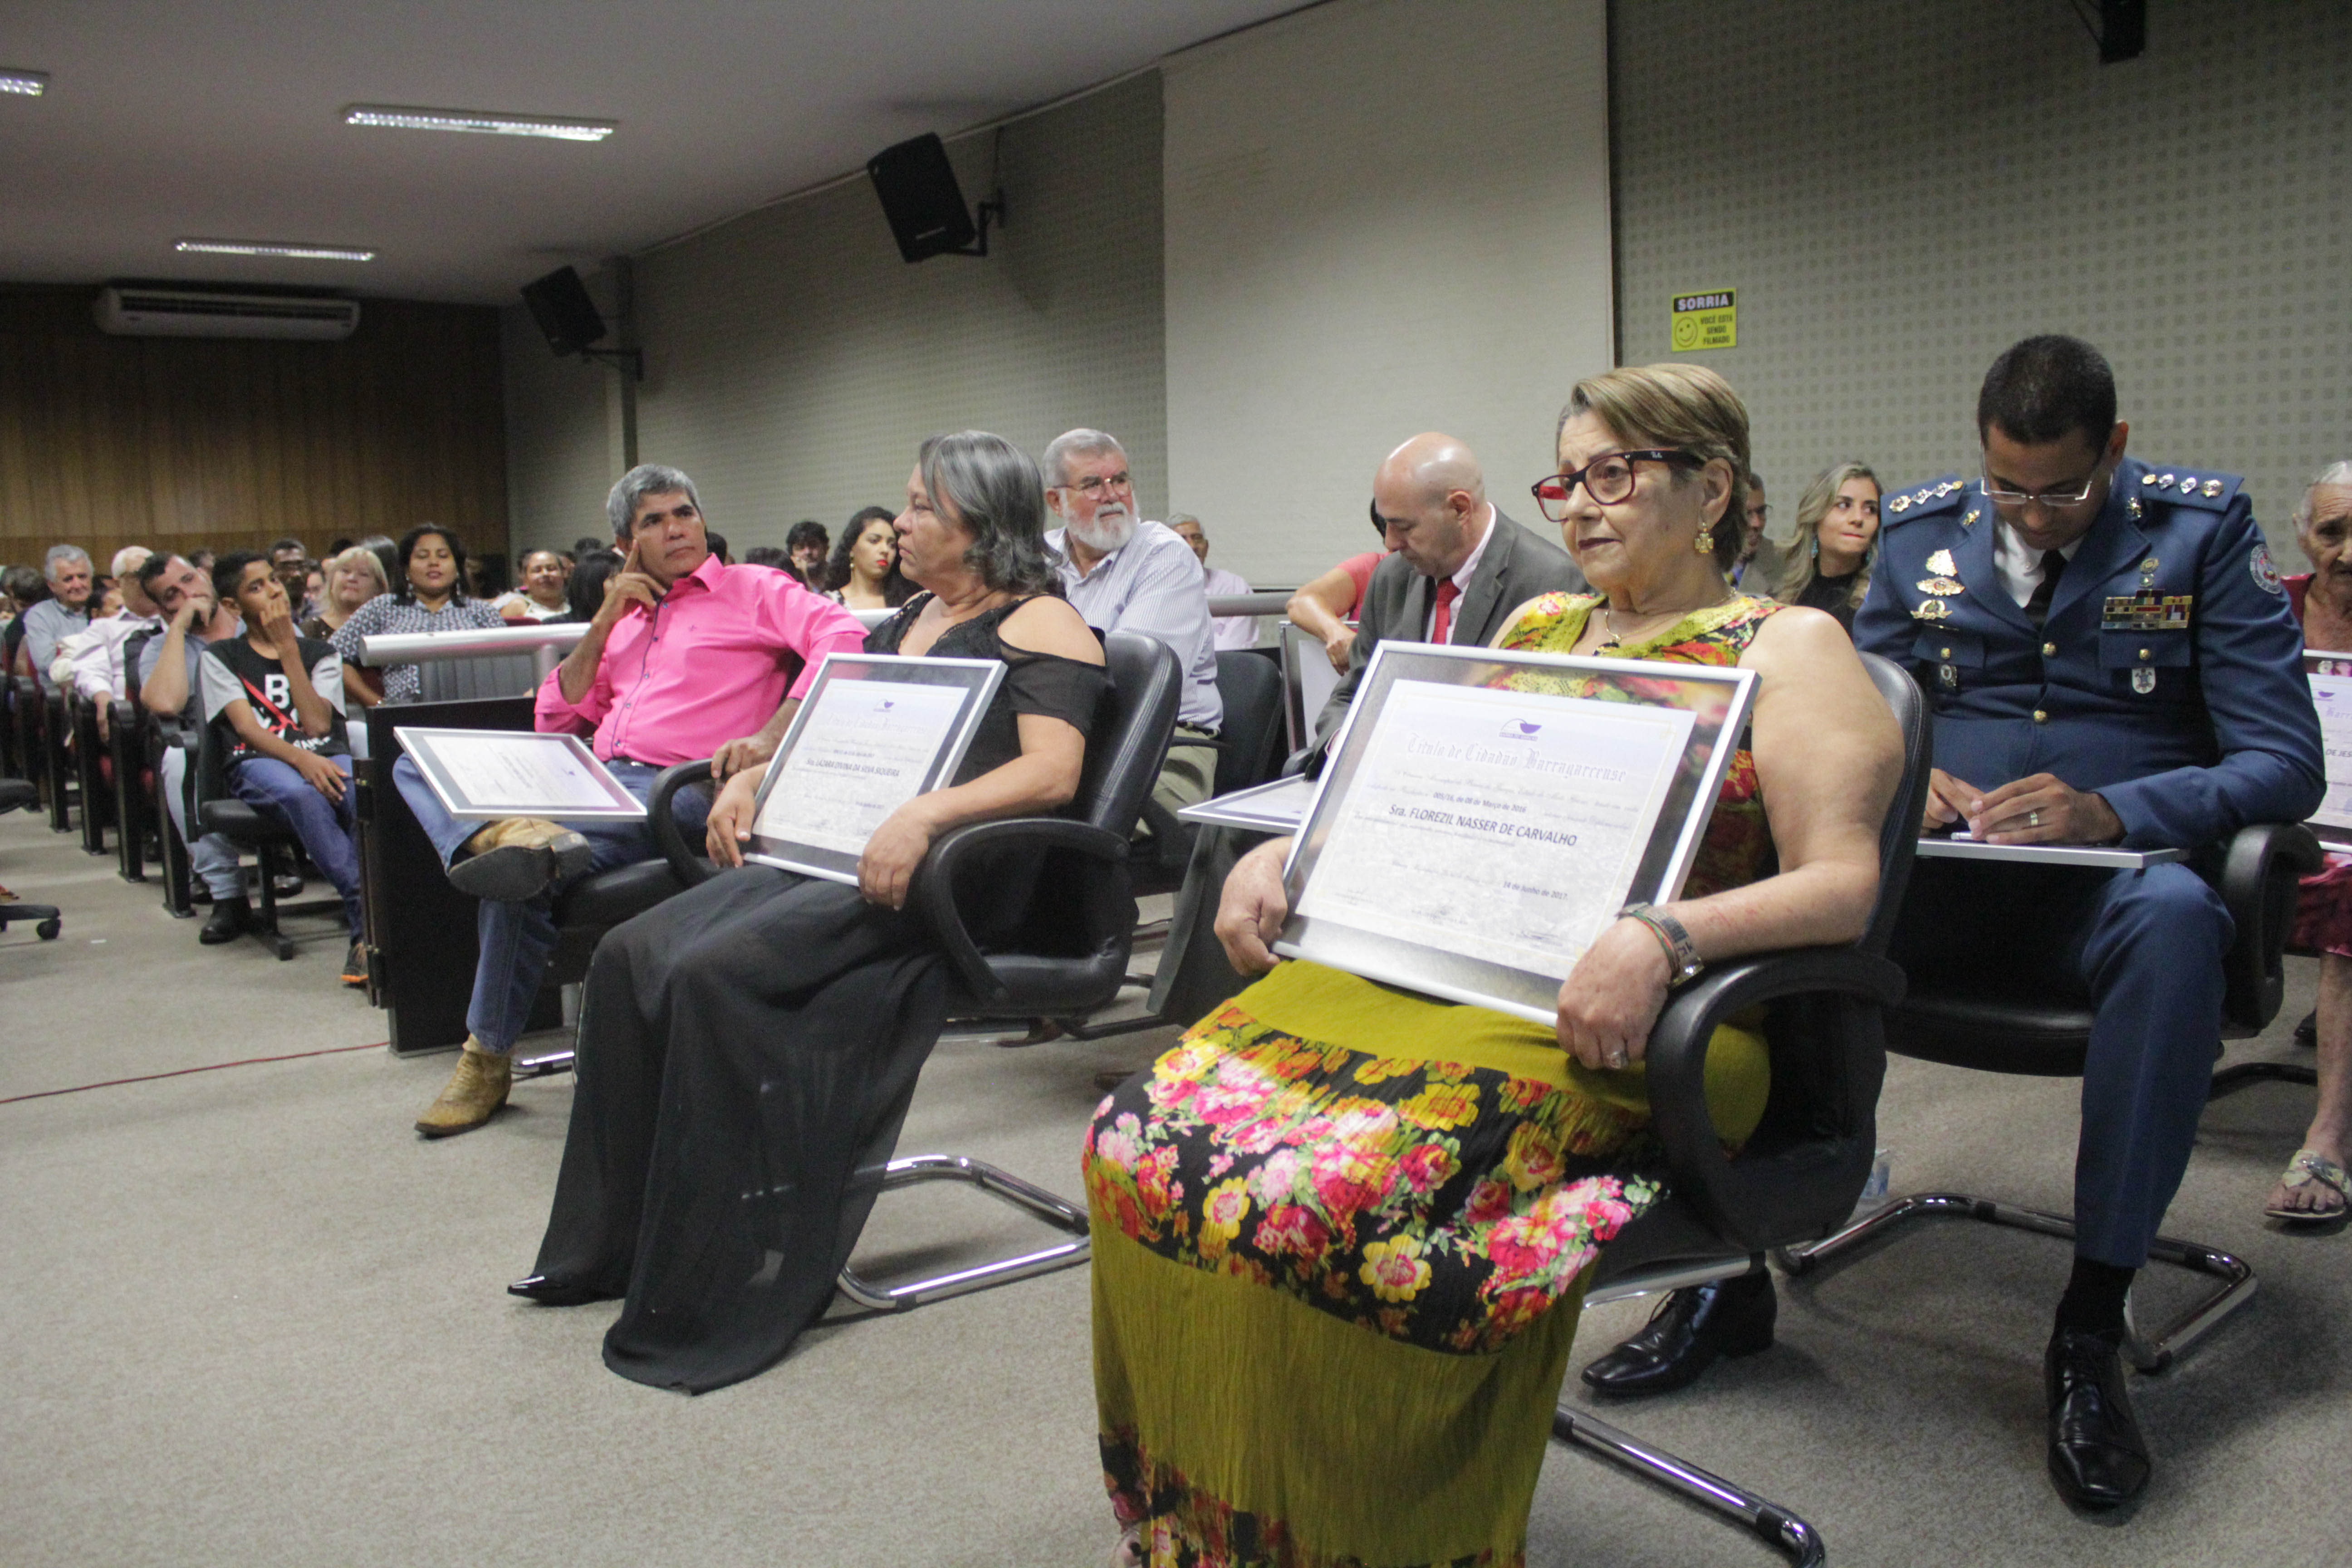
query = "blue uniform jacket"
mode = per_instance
[{"x": 2168, "y": 676}]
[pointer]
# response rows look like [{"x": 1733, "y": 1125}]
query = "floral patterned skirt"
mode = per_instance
[{"x": 1340, "y": 1234}]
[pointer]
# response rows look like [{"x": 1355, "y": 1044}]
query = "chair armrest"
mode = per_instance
[
  {"x": 2256, "y": 879},
  {"x": 1757, "y": 1205},
  {"x": 933, "y": 895},
  {"x": 661, "y": 815}
]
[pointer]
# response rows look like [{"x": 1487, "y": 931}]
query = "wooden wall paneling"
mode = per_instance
[{"x": 232, "y": 443}]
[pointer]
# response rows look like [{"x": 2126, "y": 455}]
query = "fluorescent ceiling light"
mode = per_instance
[
  {"x": 283, "y": 248},
  {"x": 24, "y": 84},
  {"x": 478, "y": 121}
]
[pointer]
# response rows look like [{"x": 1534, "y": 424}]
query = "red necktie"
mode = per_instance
[{"x": 1443, "y": 622}]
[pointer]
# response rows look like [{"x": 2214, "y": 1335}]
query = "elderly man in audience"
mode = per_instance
[
  {"x": 64, "y": 612},
  {"x": 685, "y": 659},
  {"x": 1327, "y": 606},
  {"x": 169, "y": 682},
  {"x": 1125, "y": 574},
  {"x": 275, "y": 700},
  {"x": 2314, "y": 1188},
  {"x": 1459, "y": 568},
  {"x": 2111, "y": 659},
  {"x": 1229, "y": 631},
  {"x": 91, "y": 662}
]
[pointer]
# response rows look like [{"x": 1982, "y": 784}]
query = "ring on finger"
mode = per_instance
[{"x": 2033, "y": 818}]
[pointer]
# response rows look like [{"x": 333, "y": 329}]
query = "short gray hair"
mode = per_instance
[
  {"x": 58, "y": 555},
  {"x": 995, "y": 489},
  {"x": 644, "y": 479},
  {"x": 128, "y": 560},
  {"x": 2338, "y": 472},
  {"x": 1176, "y": 519},
  {"x": 1081, "y": 442}
]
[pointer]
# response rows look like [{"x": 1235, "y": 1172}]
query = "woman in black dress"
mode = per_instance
[
  {"x": 748, "y": 1049},
  {"x": 1827, "y": 564}
]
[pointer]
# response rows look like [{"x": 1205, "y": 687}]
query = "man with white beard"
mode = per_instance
[{"x": 1124, "y": 574}]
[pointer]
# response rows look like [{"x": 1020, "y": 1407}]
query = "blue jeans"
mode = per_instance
[
  {"x": 517, "y": 939},
  {"x": 328, "y": 829}
]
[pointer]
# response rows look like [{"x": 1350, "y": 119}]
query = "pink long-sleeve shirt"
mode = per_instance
[{"x": 727, "y": 646}]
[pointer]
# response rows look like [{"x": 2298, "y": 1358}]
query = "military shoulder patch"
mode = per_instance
[
  {"x": 2180, "y": 487},
  {"x": 1922, "y": 500},
  {"x": 2266, "y": 576}
]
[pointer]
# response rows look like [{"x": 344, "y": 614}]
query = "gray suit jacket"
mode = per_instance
[{"x": 1518, "y": 564}]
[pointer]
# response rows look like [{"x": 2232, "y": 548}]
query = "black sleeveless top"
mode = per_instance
[{"x": 1042, "y": 683}]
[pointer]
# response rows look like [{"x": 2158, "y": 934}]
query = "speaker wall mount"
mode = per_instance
[
  {"x": 560, "y": 304},
  {"x": 925, "y": 205}
]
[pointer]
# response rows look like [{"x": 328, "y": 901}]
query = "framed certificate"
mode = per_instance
[
  {"x": 1486, "y": 815},
  {"x": 490, "y": 774},
  {"x": 2331, "y": 692},
  {"x": 875, "y": 730}
]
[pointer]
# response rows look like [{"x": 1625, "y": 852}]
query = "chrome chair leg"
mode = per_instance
[
  {"x": 2149, "y": 1354},
  {"x": 1775, "y": 1526},
  {"x": 1030, "y": 1199},
  {"x": 546, "y": 1065}
]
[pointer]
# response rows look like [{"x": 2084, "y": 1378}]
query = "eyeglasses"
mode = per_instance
[
  {"x": 2052, "y": 500},
  {"x": 1096, "y": 487},
  {"x": 1608, "y": 480}
]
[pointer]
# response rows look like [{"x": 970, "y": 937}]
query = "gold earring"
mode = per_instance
[{"x": 1704, "y": 542}]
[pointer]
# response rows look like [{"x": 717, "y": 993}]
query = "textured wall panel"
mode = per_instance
[
  {"x": 1383, "y": 216},
  {"x": 793, "y": 361},
  {"x": 1899, "y": 192},
  {"x": 226, "y": 443}
]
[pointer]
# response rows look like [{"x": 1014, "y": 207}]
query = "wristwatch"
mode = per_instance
[{"x": 1682, "y": 955}]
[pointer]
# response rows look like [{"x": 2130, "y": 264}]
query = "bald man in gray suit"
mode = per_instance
[{"x": 1458, "y": 566}]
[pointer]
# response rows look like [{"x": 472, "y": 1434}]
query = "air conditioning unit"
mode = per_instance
[{"x": 132, "y": 312}]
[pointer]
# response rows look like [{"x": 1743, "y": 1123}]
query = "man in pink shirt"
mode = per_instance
[{"x": 685, "y": 658}]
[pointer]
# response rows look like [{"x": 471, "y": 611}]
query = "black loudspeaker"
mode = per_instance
[
  {"x": 922, "y": 201},
  {"x": 560, "y": 304}
]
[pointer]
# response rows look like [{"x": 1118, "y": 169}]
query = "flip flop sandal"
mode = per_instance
[{"x": 2306, "y": 1168}]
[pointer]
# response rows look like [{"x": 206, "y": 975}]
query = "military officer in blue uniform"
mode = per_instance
[{"x": 2110, "y": 659}]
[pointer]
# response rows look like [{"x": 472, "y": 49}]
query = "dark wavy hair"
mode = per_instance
[
  {"x": 1001, "y": 496},
  {"x": 896, "y": 589},
  {"x": 585, "y": 587},
  {"x": 403, "y": 590}
]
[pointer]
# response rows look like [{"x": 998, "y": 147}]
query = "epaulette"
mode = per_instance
[
  {"x": 1923, "y": 500},
  {"x": 2181, "y": 488}
]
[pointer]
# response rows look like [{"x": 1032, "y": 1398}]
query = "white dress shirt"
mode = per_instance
[
  {"x": 1231, "y": 631},
  {"x": 91, "y": 660},
  {"x": 1153, "y": 584},
  {"x": 2020, "y": 565},
  {"x": 1461, "y": 580}
]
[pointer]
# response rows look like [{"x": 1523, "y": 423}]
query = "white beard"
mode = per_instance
[{"x": 1112, "y": 527}]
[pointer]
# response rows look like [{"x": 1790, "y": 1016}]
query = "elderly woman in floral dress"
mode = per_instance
[{"x": 1341, "y": 1231}]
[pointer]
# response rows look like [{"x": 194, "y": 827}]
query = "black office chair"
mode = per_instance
[
  {"x": 1070, "y": 957},
  {"x": 2255, "y": 874},
  {"x": 1249, "y": 687},
  {"x": 1801, "y": 1172},
  {"x": 275, "y": 846},
  {"x": 93, "y": 783},
  {"x": 20, "y": 794}
]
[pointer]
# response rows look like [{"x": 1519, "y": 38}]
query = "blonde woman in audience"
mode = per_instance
[
  {"x": 1341, "y": 1232},
  {"x": 2314, "y": 1186},
  {"x": 353, "y": 576},
  {"x": 542, "y": 596},
  {"x": 1827, "y": 565},
  {"x": 863, "y": 573}
]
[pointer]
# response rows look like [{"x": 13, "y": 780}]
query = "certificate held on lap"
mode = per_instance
[
  {"x": 875, "y": 732},
  {"x": 1487, "y": 814}
]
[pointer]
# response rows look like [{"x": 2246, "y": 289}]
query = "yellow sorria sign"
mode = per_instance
[{"x": 1707, "y": 320}]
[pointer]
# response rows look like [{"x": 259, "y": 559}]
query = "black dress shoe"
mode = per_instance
[
  {"x": 2097, "y": 1457},
  {"x": 229, "y": 920},
  {"x": 549, "y": 1293},
  {"x": 1694, "y": 1325}
]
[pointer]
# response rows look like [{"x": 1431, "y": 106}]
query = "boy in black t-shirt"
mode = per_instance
[{"x": 275, "y": 700}]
